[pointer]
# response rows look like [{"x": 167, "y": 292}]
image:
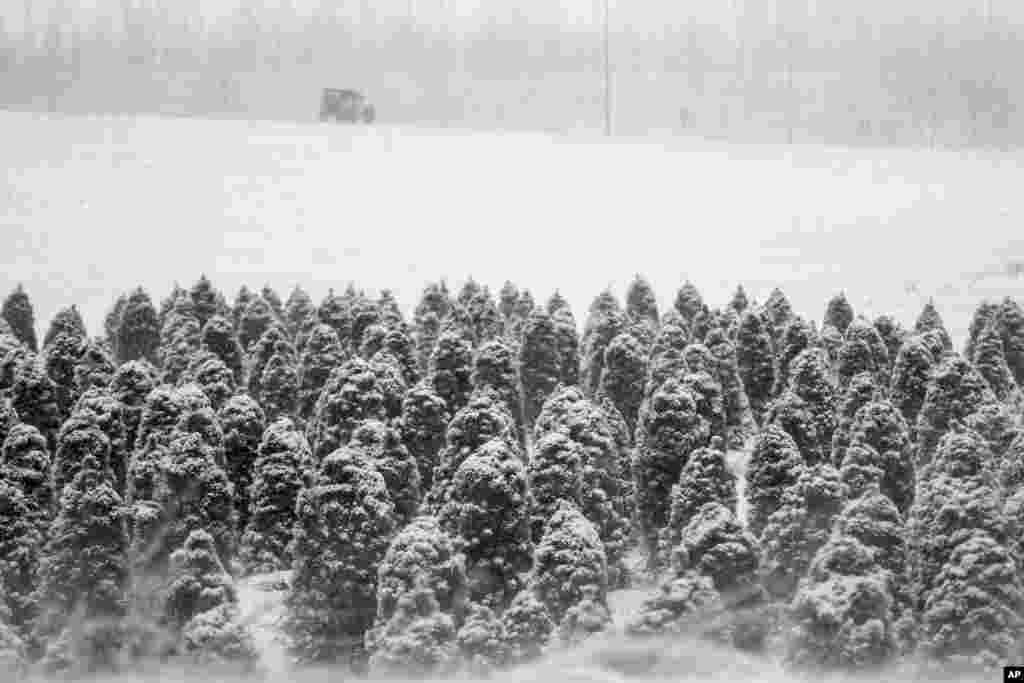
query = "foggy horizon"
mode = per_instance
[{"x": 726, "y": 381}]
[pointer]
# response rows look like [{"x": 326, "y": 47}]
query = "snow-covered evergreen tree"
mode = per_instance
[
  {"x": 528, "y": 628},
  {"x": 451, "y": 370},
  {"x": 859, "y": 391},
  {"x": 842, "y": 613},
  {"x": 216, "y": 380},
  {"x": 255, "y": 321},
  {"x": 641, "y": 303},
  {"x": 278, "y": 475},
  {"x": 93, "y": 368},
  {"x": 775, "y": 465},
  {"x": 1010, "y": 319},
  {"x": 624, "y": 376},
  {"x": 18, "y": 312},
  {"x": 794, "y": 339},
  {"x": 540, "y": 362},
  {"x": 80, "y": 438},
  {"x": 930, "y": 321},
  {"x": 606, "y": 470},
  {"x": 418, "y": 640},
  {"x": 320, "y": 356},
  {"x": 67, "y": 321},
  {"x": 705, "y": 478},
  {"x": 800, "y": 526},
  {"x": 21, "y": 540},
  {"x": 954, "y": 391},
  {"x": 839, "y": 312},
  {"x": 714, "y": 578},
  {"x": 424, "y": 422},
  {"x": 957, "y": 497},
  {"x": 356, "y": 391},
  {"x": 588, "y": 617},
  {"x": 489, "y": 512},
  {"x": 974, "y": 615},
  {"x": 297, "y": 309},
  {"x": 688, "y": 301},
  {"x": 495, "y": 368},
  {"x": 198, "y": 581},
  {"x": 667, "y": 358},
  {"x": 556, "y": 476},
  {"x": 879, "y": 427},
  {"x": 192, "y": 492},
  {"x": 755, "y": 362},
  {"x": 83, "y": 569},
  {"x": 383, "y": 446},
  {"x": 482, "y": 641},
  {"x": 60, "y": 357},
  {"x": 738, "y": 417},
  {"x": 279, "y": 385},
  {"x": 985, "y": 313},
  {"x": 482, "y": 420},
  {"x": 346, "y": 515},
  {"x": 243, "y": 422},
  {"x": 130, "y": 385},
  {"x": 35, "y": 398},
  {"x": 669, "y": 430},
  {"x": 421, "y": 556},
  {"x": 218, "y": 337},
  {"x": 26, "y": 465},
  {"x": 605, "y": 320},
  {"x": 990, "y": 360}
]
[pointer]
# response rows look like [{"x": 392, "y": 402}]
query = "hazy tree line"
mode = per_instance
[
  {"x": 929, "y": 74},
  {"x": 462, "y": 488}
]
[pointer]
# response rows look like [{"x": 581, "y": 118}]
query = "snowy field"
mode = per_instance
[{"x": 92, "y": 206}]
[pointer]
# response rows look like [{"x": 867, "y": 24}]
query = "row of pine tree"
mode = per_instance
[{"x": 462, "y": 490}]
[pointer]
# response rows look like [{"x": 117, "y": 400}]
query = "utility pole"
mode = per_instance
[{"x": 607, "y": 77}]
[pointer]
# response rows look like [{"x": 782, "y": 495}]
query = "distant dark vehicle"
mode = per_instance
[
  {"x": 687, "y": 118},
  {"x": 345, "y": 105}
]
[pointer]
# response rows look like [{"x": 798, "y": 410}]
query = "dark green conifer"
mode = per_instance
[
  {"x": 839, "y": 312},
  {"x": 569, "y": 558},
  {"x": 17, "y": 311},
  {"x": 495, "y": 368},
  {"x": 356, "y": 391},
  {"x": 556, "y": 475},
  {"x": 83, "y": 569},
  {"x": 67, "y": 321},
  {"x": 218, "y": 337},
  {"x": 451, "y": 370},
  {"x": 605, "y": 321},
  {"x": 930, "y": 321},
  {"x": 489, "y": 493},
  {"x": 346, "y": 515},
  {"x": 207, "y": 301},
  {"x": 540, "y": 362},
  {"x": 138, "y": 330},
  {"x": 641, "y": 304},
  {"x": 21, "y": 540},
  {"x": 297, "y": 309},
  {"x": 755, "y": 362},
  {"x": 800, "y": 526},
  {"x": 775, "y": 465},
  {"x": 705, "y": 478},
  {"x": 34, "y": 397},
  {"x": 955, "y": 390},
  {"x": 624, "y": 376},
  {"x": 669, "y": 430},
  {"x": 688, "y": 302}
]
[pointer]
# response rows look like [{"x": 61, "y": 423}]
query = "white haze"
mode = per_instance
[{"x": 93, "y": 206}]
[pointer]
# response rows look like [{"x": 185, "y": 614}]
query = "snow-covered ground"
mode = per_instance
[{"x": 92, "y": 206}]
